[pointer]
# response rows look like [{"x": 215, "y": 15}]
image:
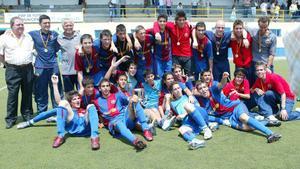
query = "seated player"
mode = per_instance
[
  {"x": 71, "y": 118},
  {"x": 216, "y": 104},
  {"x": 274, "y": 90},
  {"x": 152, "y": 90},
  {"x": 122, "y": 114},
  {"x": 180, "y": 77},
  {"x": 193, "y": 118},
  {"x": 238, "y": 88}
]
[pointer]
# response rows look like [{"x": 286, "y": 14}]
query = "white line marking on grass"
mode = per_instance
[{"x": 2, "y": 88}]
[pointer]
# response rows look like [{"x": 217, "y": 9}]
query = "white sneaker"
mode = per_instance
[
  {"x": 226, "y": 122},
  {"x": 259, "y": 117},
  {"x": 272, "y": 118},
  {"x": 51, "y": 119},
  {"x": 297, "y": 109},
  {"x": 207, "y": 133},
  {"x": 196, "y": 143},
  {"x": 23, "y": 125},
  {"x": 168, "y": 123},
  {"x": 213, "y": 126}
]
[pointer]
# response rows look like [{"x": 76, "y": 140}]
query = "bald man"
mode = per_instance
[{"x": 220, "y": 42}]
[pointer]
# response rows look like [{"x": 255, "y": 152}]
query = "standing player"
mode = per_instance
[
  {"x": 263, "y": 45},
  {"x": 203, "y": 55},
  {"x": 46, "y": 46},
  {"x": 86, "y": 61},
  {"x": 143, "y": 56},
  {"x": 162, "y": 49},
  {"x": 216, "y": 104},
  {"x": 180, "y": 34},
  {"x": 220, "y": 42},
  {"x": 123, "y": 43},
  {"x": 241, "y": 48}
]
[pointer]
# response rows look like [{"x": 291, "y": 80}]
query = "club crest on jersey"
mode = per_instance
[{"x": 113, "y": 101}]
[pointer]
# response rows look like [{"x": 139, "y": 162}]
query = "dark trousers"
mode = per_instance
[
  {"x": 219, "y": 68},
  {"x": 16, "y": 77},
  {"x": 43, "y": 79},
  {"x": 185, "y": 63},
  {"x": 70, "y": 81},
  {"x": 123, "y": 10}
]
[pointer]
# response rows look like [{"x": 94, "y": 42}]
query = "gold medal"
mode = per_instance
[
  {"x": 202, "y": 55},
  {"x": 236, "y": 55},
  {"x": 178, "y": 43},
  {"x": 217, "y": 106},
  {"x": 259, "y": 50},
  {"x": 218, "y": 53}
]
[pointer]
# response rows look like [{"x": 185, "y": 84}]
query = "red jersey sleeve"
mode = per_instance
[{"x": 78, "y": 62}]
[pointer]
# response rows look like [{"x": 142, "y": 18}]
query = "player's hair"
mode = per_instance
[
  {"x": 174, "y": 83},
  {"x": 139, "y": 28},
  {"x": 180, "y": 14},
  {"x": 240, "y": 72},
  {"x": 86, "y": 36},
  {"x": 238, "y": 22},
  {"x": 176, "y": 66},
  {"x": 204, "y": 71},
  {"x": 199, "y": 82},
  {"x": 105, "y": 32},
  {"x": 103, "y": 81},
  {"x": 260, "y": 64},
  {"x": 43, "y": 17},
  {"x": 162, "y": 16},
  {"x": 264, "y": 19},
  {"x": 87, "y": 81},
  {"x": 201, "y": 24},
  {"x": 120, "y": 75},
  {"x": 65, "y": 20},
  {"x": 148, "y": 72},
  {"x": 71, "y": 94},
  {"x": 120, "y": 28},
  {"x": 131, "y": 63},
  {"x": 13, "y": 20}
]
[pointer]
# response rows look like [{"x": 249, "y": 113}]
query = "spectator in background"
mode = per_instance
[
  {"x": 169, "y": 4},
  {"x": 180, "y": 6},
  {"x": 194, "y": 5},
  {"x": 161, "y": 6},
  {"x": 264, "y": 8},
  {"x": 123, "y": 8},
  {"x": 69, "y": 41},
  {"x": 293, "y": 10},
  {"x": 247, "y": 8},
  {"x": 253, "y": 8},
  {"x": 27, "y": 5},
  {"x": 16, "y": 53}
]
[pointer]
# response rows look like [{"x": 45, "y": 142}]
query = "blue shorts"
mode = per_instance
[
  {"x": 235, "y": 115},
  {"x": 78, "y": 126},
  {"x": 130, "y": 124},
  {"x": 189, "y": 122}
]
